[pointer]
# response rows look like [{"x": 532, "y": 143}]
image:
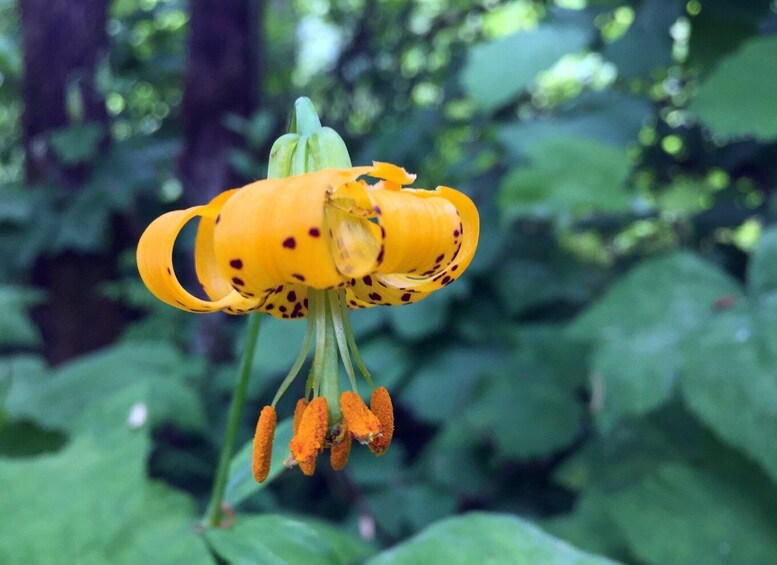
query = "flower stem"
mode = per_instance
[{"x": 214, "y": 512}]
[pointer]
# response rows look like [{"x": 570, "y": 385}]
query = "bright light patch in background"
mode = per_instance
[{"x": 318, "y": 45}]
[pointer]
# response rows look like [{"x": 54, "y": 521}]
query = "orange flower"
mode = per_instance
[{"x": 316, "y": 245}]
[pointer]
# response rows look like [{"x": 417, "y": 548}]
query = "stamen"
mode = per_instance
[
  {"x": 301, "y": 356},
  {"x": 352, "y": 342},
  {"x": 308, "y": 442},
  {"x": 298, "y": 411},
  {"x": 362, "y": 423},
  {"x": 308, "y": 467},
  {"x": 265, "y": 430},
  {"x": 335, "y": 300},
  {"x": 338, "y": 455},
  {"x": 381, "y": 406}
]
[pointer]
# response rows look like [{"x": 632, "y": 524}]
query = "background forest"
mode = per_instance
[{"x": 604, "y": 374}]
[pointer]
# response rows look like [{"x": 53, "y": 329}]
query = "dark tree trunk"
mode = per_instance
[
  {"x": 222, "y": 77},
  {"x": 64, "y": 40}
]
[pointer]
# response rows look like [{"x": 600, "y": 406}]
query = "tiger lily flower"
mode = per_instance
[{"x": 317, "y": 245}]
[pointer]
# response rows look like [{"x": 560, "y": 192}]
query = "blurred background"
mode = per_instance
[{"x": 606, "y": 370}]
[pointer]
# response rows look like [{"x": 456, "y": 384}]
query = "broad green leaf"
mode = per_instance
[
  {"x": 404, "y": 509},
  {"x": 736, "y": 99},
  {"x": 241, "y": 483},
  {"x": 484, "y": 538},
  {"x": 525, "y": 413},
  {"x": 762, "y": 270},
  {"x": 77, "y": 143},
  {"x": 633, "y": 375},
  {"x": 16, "y": 328},
  {"x": 523, "y": 284},
  {"x": 647, "y": 45},
  {"x": 608, "y": 116},
  {"x": 639, "y": 326},
  {"x": 422, "y": 319},
  {"x": 90, "y": 502},
  {"x": 567, "y": 177},
  {"x": 156, "y": 373},
  {"x": 725, "y": 383},
  {"x": 273, "y": 539},
  {"x": 495, "y": 72},
  {"x": 684, "y": 516},
  {"x": 443, "y": 386},
  {"x": 590, "y": 526},
  {"x": 721, "y": 27},
  {"x": 675, "y": 294}
]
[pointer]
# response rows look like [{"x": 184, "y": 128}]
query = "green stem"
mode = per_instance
[
  {"x": 214, "y": 513},
  {"x": 352, "y": 343},
  {"x": 330, "y": 373},
  {"x": 335, "y": 298}
]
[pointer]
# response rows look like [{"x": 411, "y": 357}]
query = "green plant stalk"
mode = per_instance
[{"x": 214, "y": 512}]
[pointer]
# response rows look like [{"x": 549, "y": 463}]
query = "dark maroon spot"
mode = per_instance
[
  {"x": 454, "y": 268},
  {"x": 279, "y": 289},
  {"x": 169, "y": 272},
  {"x": 236, "y": 264},
  {"x": 375, "y": 297},
  {"x": 353, "y": 303},
  {"x": 298, "y": 277},
  {"x": 406, "y": 297},
  {"x": 289, "y": 243},
  {"x": 282, "y": 308},
  {"x": 269, "y": 307},
  {"x": 367, "y": 280},
  {"x": 237, "y": 281},
  {"x": 292, "y": 296},
  {"x": 218, "y": 218},
  {"x": 305, "y": 302},
  {"x": 382, "y": 231},
  {"x": 286, "y": 316},
  {"x": 377, "y": 210},
  {"x": 380, "y": 255},
  {"x": 456, "y": 233},
  {"x": 314, "y": 232},
  {"x": 181, "y": 303},
  {"x": 248, "y": 294},
  {"x": 446, "y": 280},
  {"x": 440, "y": 257}
]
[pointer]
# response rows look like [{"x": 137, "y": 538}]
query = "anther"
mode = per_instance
[
  {"x": 308, "y": 442},
  {"x": 265, "y": 430},
  {"x": 298, "y": 411},
  {"x": 338, "y": 454},
  {"x": 381, "y": 406},
  {"x": 362, "y": 423}
]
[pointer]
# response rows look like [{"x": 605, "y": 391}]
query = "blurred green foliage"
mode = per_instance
[{"x": 606, "y": 370}]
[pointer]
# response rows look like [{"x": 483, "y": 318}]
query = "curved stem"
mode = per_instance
[
  {"x": 214, "y": 512},
  {"x": 335, "y": 298}
]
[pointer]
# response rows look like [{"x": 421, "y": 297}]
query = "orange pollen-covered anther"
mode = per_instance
[
  {"x": 338, "y": 455},
  {"x": 381, "y": 406},
  {"x": 265, "y": 430},
  {"x": 308, "y": 467},
  {"x": 308, "y": 442},
  {"x": 362, "y": 423},
  {"x": 298, "y": 411}
]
